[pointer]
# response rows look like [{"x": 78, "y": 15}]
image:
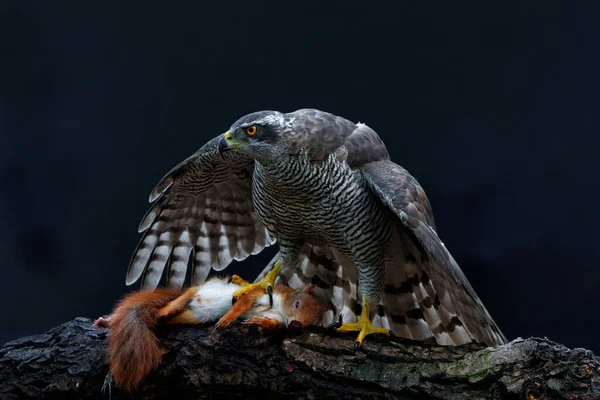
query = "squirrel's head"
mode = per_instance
[{"x": 303, "y": 308}]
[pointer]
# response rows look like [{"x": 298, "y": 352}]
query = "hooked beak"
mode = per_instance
[{"x": 226, "y": 142}]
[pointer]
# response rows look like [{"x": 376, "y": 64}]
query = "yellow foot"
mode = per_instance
[
  {"x": 237, "y": 280},
  {"x": 363, "y": 326},
  {"x": 267, "y": 283}
]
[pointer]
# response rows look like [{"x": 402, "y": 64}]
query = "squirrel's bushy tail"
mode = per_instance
[{"x": 133, "y": 348}]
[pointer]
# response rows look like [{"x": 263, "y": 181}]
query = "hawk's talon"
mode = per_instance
[
  {"x": 337, "y": 324},
  {"x": 270, "y": 291},
  {"x": 267, "y": 283},
  {"x": 237, "y": 280},
  {"x": 363, "y": 326}
]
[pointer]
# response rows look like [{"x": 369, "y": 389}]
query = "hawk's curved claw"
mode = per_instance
[
  {"x": 337, "y": 324},
  {"x": 237, "y": 280},
  {"x": 266, "y": 284},
  {"x": 363, "y": 326},
  {"x": 270, "y": 291}
]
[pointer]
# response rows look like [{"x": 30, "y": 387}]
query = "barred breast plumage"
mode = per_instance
[
  {"x": 324, "y": 203},
  {"x": 317, "y": 201}
]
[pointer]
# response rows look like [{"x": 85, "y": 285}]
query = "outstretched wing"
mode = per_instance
[
  {"x": 444, "y": 301},
  {"x": 203, "y": 210}
]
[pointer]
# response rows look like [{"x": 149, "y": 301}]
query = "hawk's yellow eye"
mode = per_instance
[{"x": 251, "y": 130}]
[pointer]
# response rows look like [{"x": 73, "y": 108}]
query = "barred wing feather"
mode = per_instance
[{"x": 202, "y": 212}]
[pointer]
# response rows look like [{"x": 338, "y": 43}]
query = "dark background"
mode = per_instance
[{"x": 493, "y": 109}]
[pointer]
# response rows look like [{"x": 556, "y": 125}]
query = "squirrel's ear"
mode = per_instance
[{"x": 309, "y": 288}]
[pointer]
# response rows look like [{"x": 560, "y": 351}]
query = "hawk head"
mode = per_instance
[
  {"x": 258, "y": 135},
  {"x": 270, "y": 135}
]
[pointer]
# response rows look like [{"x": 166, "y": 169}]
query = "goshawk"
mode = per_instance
[{"x": 343, "y": 214}]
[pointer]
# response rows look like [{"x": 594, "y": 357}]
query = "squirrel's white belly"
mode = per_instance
[{"x": 213, "y": 300}]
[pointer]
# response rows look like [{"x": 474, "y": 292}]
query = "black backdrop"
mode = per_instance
[{"x": 493, "y": 109}]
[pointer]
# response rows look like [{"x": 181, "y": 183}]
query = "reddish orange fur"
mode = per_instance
[
  {"x": 186, "y": 317},
  {"x": 284, "y": 291},
  {"x": 133, "y": 349},
  {"x": 176, "y": 306},
  {"x": 242, "y": 305},
  {"x": 265, "y": 324},
  {"x": 310, "y": 308}
]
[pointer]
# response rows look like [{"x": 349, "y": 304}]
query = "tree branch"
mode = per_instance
[{"x": 68, "y": 362}]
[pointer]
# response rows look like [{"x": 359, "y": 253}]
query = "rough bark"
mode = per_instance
[{"x": 68, "y": 362}]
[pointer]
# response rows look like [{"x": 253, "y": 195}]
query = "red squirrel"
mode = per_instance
[{"x": 134, "y": 350}]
